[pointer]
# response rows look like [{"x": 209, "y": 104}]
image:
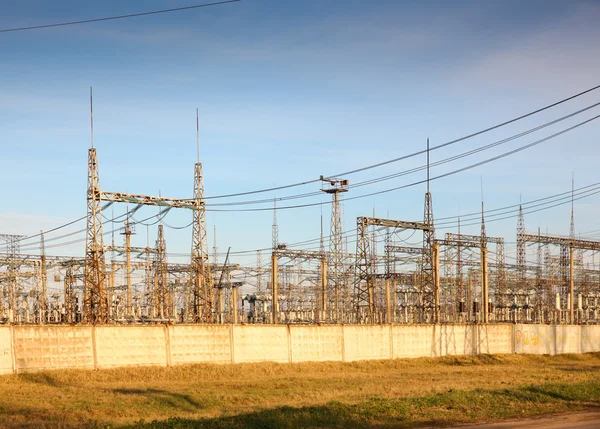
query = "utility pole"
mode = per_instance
[
  {"x": 274, "y": 268},
  {"x": 43, "y": 299},
  {"x": 127, "y": 232},
  {"x": 484, "y": 270},
  {"x": 161, "y": 291}
]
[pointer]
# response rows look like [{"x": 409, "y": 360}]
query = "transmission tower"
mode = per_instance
[
  {"x": 161, "y": 287},
  {"x": 201, "y": 276},
  {"x": 96, "y": 307},
  {"x": 428, "y": 285},
  {"x": 521, "y": 247},
  {"x": 335, "y": 187},
  {"x": 128, "y": 231},
  {"x": 12, "y": 248},
  {"x": 43, "y": 298}
]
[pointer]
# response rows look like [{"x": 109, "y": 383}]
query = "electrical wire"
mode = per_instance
[
  {"x": 468, "y": 167},
  {"x": 420, "y": 168},
  {"x": 365, "y": 168},
  {"x": 421, "y": 152},
  {"x": 162, "y": 213},
  {"x": 110, "y": 18}
]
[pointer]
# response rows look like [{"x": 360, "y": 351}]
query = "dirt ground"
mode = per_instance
[{"x": 588, "y": 420}]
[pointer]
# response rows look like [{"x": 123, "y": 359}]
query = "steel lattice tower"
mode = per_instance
[
  {"x": 336, "y": 259},
  {"x": 202, "y": 282},
  {"x": 96, "y": 308},
  {"x": 428, "y": 239},
  {"x": 161, "y": 287},
  {"x": 521, "y": 246},
  {"x": 13, "y": 249},
  {"x": 95, "y": 296},
  {"x": 43, "y": 298}
]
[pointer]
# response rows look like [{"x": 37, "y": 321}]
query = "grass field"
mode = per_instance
[{"x": 393, "y": 393}]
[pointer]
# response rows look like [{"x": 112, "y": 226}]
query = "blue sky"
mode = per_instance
[{"x": 288, "y": 91}]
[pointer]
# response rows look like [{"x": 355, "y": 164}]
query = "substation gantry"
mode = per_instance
[
  {"x": 96, "y": 303},
  {"x": 568, "y": 246},
  {"x": 365, "y": 274}
]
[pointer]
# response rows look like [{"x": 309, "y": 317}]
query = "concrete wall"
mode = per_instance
[
  {"x": 52, "y": 347},
  {"x": 6, "y": 350},
  {"x": 34, "y": 348},
  {"x": 260, "y": 343},
  {"x": 590, "y": 338},
  {"x": 130, "y": 345},
  {"x": 194, "y": 344},
  {"x": 412, "y": 341},
  {"x": 316, "y": 343},
  {"x": 366, "y": 342},
  {"x": 495, "y": 339}
]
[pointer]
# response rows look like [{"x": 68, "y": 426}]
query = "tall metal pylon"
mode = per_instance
[
  {"x": 336, "y": 259},
  {"x": 43, "y": 298},
  {"x": 96, "y": 307},
  {"x": 459, "y": 265},
  {"x": 12, "y": 248},
  {"x": 427, "y": 268},
  {"x": 521, "y": 247},
  {"x": 202, "y": 281},
  {"x": 162, "y": 297}
]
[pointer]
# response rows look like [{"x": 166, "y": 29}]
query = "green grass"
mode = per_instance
[
  {"x": 392, "y": 393},
  {"x": 440, "y": 409}
]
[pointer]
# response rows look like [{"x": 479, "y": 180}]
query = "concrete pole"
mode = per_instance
[
  {"x": 68, "y": 312},
  {"x": 388, "y": 302},
  {"x": 470, "y": 309},
  {"x": 274, "y": 291},
  {"x": 128, "y": 273},
  {"x": 394, "y": 300},
  {"x": 484, "y": 286},
  {"x": 323, "y": 303},
  {"x": 111, "y": 285},
  {"x": 436, "y": 282},
  {"x": 371, "y": 289},
  {"x": 44, "y": 296},
  {"x": 571, "y": 285},
  {"x": 234, "y": 304}
]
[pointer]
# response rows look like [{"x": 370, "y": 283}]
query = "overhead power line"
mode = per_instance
[
  {"x": 421, "y": 152},
  {"x": 410, "y": 184},
  {"x": 110, "y": 18},
  {"x": 468, "y": 219},
  {"x": 415, "y": 169},
  {"x": 356, "y": 197},
  {"x": 419, "y": 182}
]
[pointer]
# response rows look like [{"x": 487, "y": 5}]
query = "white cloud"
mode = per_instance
[{"x": 563, "y": 56}]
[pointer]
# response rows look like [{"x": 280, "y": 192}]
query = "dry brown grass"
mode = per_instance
[{"x": 127, "y": 395}]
